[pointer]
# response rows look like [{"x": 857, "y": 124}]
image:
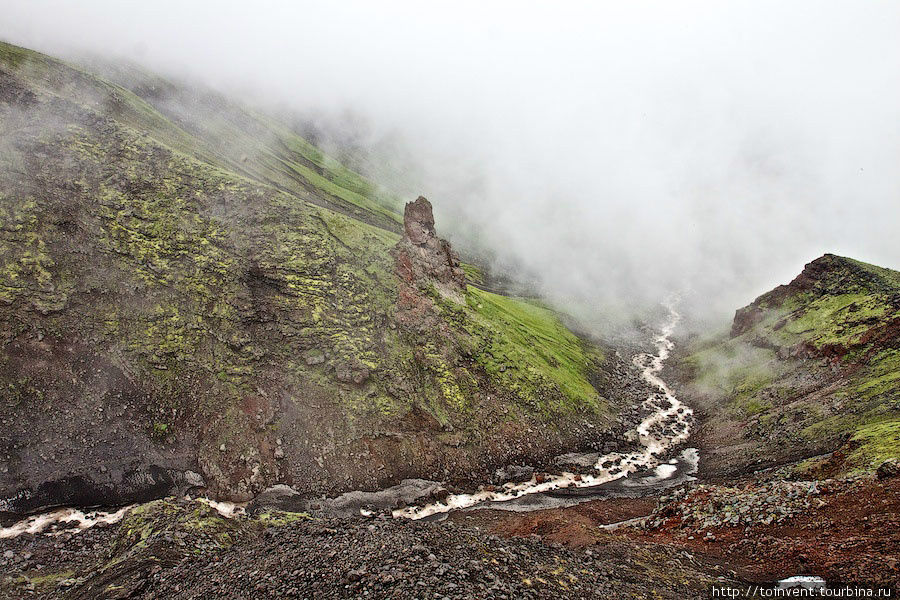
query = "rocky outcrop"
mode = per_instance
[
  {"x": 745, "y": 318},
  {"x": 427, "y": 267},
  {"x": 418, "y": 221},
  {"x": 827, "y": 275}
]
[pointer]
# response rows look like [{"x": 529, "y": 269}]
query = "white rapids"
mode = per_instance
[
  {"x": 667, "y": 425},
  {"x": 64, "y": 520},
  {"x": 72, "y": 520}
]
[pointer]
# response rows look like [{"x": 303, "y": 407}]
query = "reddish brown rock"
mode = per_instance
[
  {"x": 424, "y": 263},
  {"x": 418, "y": 221}
]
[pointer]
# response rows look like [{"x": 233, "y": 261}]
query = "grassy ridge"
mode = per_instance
[
  {"x": 210, "y": 127},
  {"x": 819, "y": 365},
  {"x": 259, "y": 146},
  {"x": 526, "y": 345}
]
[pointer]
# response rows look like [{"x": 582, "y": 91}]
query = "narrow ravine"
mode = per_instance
[{"x": 666, "y": 426}]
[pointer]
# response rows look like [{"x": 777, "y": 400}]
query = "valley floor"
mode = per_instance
[
  {"x": 688, "y": 541},
  {"x": 671, "y": 543},
  {"x": 845, "y": 531},
  {"x": 176, "y": 550}
]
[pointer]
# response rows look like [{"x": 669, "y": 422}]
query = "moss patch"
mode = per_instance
[
  {"x": 280, "y": 518},
  {"x": 474, "y": 274},
  {"x": 841, "y": 319},
  {"x": 874, "y": 444},
  {"x": 525, "y": 346}
]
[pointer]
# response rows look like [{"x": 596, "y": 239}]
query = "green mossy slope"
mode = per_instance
[
  {"x": 259, "y": 146},
  {"x": 808, "y": 367},
  {"x": 526, "y": 345}
]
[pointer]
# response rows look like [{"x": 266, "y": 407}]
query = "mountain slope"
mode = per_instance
[
  {"x": 258, "y": 146},
  {"x": 809, "y": 368},
  {"x": 217, "y": 303},
  {"x": 211, "y": 128}
]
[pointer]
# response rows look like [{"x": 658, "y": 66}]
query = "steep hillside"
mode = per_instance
[
  {"x": 258, "y": 146},
  {"x": 194, "y": 297},
  {"x": 809, "y": 368}
]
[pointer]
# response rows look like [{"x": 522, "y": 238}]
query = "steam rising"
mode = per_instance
[{"x": 615, "y": 151}]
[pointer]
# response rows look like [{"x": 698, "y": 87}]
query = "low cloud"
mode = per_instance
[{"x": 614, "y": 152}]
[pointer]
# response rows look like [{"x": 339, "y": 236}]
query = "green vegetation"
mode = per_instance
[
  {"x": 146, "y": 523},
  {"x": 841, "y": 319},
  {"x": 280, "y": 518},
  {"x": 813, "y": 369},
  {"x": 27, "y": 263},
  {"x": 220, "y": 133},
  {"x": 238, "y": 281},
  {"x": 525, "y": 346},
  {"x": 881, "y": 377},
  {"x": 338, "y": 181},
  {"x": 872, "y": 445},
  {"x": 45, "y": 580},
  {"x": 13, "y": 56},
  {"x": 732, "y": 367},
  {"x": 160, "y": 430},
  {"x": 880, "y": 279},
  {"x": 473, "y": 273}
]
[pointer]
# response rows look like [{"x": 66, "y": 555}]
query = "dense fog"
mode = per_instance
[{"x": 611, "y": 152}]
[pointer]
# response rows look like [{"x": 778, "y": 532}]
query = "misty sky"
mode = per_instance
[{"x": 621, "y": 150}]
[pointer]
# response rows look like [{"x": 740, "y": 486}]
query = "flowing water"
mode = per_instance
[
  {"x": 71, "y": 520},
  {"x": 666, "y": 426},
  {"x": 60, "y": 520}
]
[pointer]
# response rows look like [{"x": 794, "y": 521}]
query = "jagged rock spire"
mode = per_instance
[
  {"x": 418, "y": 221},
  {"x": 424, "y": 262}
]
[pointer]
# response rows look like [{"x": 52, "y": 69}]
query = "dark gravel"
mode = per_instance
[{"x": 179, "y": 551}]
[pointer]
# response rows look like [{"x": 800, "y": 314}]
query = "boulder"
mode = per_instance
[
  {"x": 407, "y": 492},
  {"x": 192, "y": 479},
  {"x": 278, "y": 497},
  {"x": 888, "y": 469},
  {"x": 513, "y": 474},
  {"x": 314, "y": 357}
]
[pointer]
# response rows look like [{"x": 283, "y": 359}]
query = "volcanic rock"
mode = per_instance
[
  {"x": 514, "y": 474},
  {"x": 278, "y": 497},
  {"x": 418, "y": 221},
  {"x": 424, "y": 262},
  {"x": 888, "y": 469}
]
